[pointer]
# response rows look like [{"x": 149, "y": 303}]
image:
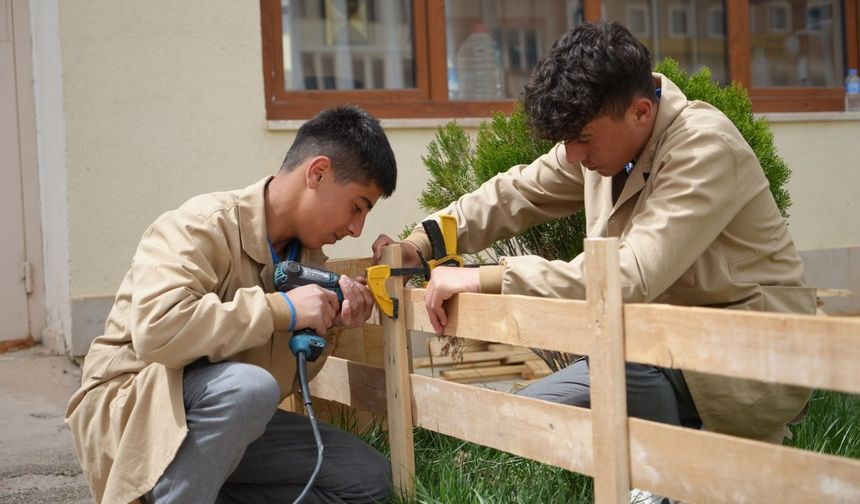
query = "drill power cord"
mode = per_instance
[{"x": 306, "y": 396}]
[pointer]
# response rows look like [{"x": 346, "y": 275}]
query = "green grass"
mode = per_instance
[
  {"x": 449, "y": 470},
  {"x": 832, "y": 427}
]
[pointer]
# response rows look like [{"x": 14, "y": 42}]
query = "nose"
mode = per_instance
[
  {"x": 356, "y": 225},
  {"x": 574, "y": 151}
]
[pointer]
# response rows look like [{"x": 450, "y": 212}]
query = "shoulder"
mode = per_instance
[{"x": 202, "y": 216}]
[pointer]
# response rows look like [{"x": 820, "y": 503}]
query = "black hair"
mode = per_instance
[
  {"x": 355, "y": 143},
  {"x": 591, "y": 71}
]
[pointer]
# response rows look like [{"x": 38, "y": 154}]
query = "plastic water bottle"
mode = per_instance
[
  {"x": 478, "y": 68},
  {"x": 852, "y": 91}
]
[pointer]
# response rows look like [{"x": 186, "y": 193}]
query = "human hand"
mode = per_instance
[
  {"x": 357, "y": 305},
  {"x": 316, "y": 308},
  {"x": 408, "y": 251},
  {"x": 444, "y": 283}
]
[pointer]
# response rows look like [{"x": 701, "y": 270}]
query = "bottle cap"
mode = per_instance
[{"x": 852, "y": 71}]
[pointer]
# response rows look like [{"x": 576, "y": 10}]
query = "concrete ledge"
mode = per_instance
[{"x": 88, "y": 321}]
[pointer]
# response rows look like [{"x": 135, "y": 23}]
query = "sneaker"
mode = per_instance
[{"x": 638, "y": 496}]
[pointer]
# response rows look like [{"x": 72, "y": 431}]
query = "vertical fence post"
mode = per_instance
[
  {"x": 397, "y": 384},
  {"x": 606, "y": 363}
]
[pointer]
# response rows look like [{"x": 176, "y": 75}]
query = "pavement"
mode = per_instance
[{"x": 38, "y": 464}]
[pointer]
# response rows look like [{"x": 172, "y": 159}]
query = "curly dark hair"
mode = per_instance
[
  {"x": 592, "y": 70},
  {"x": 353, "y": 140}
]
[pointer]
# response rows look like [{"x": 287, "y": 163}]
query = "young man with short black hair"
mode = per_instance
[{"x": 179, "y": 401}]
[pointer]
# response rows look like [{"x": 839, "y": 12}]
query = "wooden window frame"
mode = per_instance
[{"x": 429, "y": 99}]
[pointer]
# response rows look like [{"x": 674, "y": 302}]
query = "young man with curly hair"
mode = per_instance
[
  {"x": 179, "y": 400},
  {"x": 675, "y": 181}
]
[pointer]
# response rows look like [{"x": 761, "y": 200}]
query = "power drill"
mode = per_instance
[
  {"x": 292, "y": 274},
  {"x": 305, "y": 344}
]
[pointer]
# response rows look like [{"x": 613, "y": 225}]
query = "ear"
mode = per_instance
[
  {"x": 317, "y": 170},
  {"x": 642, "y": 111}
]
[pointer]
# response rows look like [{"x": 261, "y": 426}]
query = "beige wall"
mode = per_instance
[
  {"x": 823, "y": 152},
  {"x": 164, "y": 100}
]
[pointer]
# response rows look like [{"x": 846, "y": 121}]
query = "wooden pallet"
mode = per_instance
[{"x": 475, "y": 361}]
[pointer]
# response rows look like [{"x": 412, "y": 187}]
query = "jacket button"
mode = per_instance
[{"x": 612, "y": 219}]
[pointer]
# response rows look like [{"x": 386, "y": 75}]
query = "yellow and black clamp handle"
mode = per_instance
[{"x": 443, "y": 244}]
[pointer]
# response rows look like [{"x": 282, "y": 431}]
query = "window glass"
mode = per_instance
[
  {"x": 347, "y": 44},
  {"x": 493, "y": 45},
  {"x": 796, "y": 43},
  {"x": 692, "y": 32}
]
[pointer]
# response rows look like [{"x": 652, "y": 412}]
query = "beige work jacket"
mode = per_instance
[
  {"x": 698, "y": 226},
  {"x": 196, "y": 288}
]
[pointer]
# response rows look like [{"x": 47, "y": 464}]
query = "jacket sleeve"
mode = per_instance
[
  {"x": 177, "y": 315},
  {"x": 513, "y": 201},
  {"x": 703, "y": 181}
]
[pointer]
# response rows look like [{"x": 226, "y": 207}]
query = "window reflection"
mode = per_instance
[
  {"x": 796, "y": 43},
  {"x": 493, "y": 45},
  {"x": 692, "y": 32},
  {"x": 347, "y": 44}
]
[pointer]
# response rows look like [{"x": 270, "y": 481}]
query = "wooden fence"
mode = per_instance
[{"x": 619, "y": 452}]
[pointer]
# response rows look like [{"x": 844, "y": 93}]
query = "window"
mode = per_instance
[
  {"x": 467, "y": 58},
  {"x": 678, "y": 21},
  {"x": 638, "y": 20},
  {"x": 716, "y": 21},
  {"x": 346, "y": 45},
  {"x": 778, "y": 17}
]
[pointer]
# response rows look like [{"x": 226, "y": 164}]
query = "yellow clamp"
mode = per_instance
[{"x": 376, "y": 277}]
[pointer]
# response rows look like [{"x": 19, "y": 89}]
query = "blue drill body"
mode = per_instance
[{"x": 292, "y": 274}]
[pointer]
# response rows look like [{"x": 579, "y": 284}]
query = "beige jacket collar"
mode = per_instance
[
  {"x": 672, "y": 101},
  {"x": 253, "y": 231}
]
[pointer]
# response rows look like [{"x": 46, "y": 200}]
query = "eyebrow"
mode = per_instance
[{"x": 369, "y": 204}]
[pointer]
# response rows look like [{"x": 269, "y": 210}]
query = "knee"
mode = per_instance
[
  {"x": 376, "y": 477},
  {"x": 252, "y": 391}
]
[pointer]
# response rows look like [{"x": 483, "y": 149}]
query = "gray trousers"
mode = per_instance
[
  {"x": 241, "y": 448},
  {"x": 653, "y": 393}
]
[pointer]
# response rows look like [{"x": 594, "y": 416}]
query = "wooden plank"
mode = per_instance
[
  {"x": 351, "y": 383},
  {"x": 697, "y": 466},
  {"x": 805, "y": 350},
  {"x": 606, "y": 367},
  {"x": 397, "y": 386},
  {"x": 523, "y": 321},
  {"x": 539, "y": 430},
  {"x": 536, "y": 369},
  {"x": 521, "y": 357},
  {"x": 513, "y": 357},
  {"x": 486, "y": 373}
]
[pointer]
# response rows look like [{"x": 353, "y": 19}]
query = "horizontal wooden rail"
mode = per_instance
[
  {"x": 551, "y": 324},
  {"x": 806, "y": 350},
  {"x": 708, "y": 467}
]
